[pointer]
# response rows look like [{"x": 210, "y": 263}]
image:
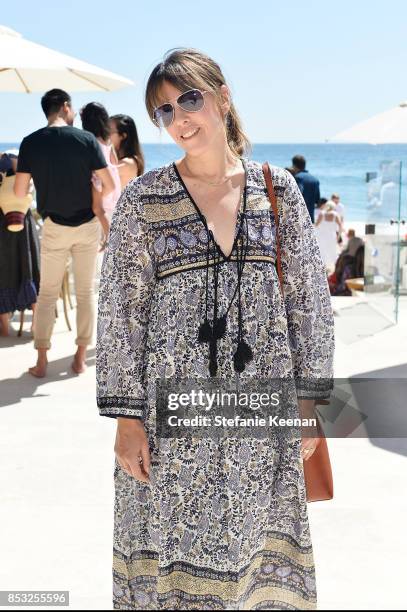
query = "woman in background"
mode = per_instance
[
  {"x": 19, "y": 250},
  {"x": 124, "y": 137},
  {"x": 95, "y": 119},
  {"x": 327, "y": 225}
]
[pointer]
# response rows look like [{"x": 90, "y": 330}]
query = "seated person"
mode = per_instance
[
  {"x": 347, "y": 266},
  {"x": 354, "y": 242}
]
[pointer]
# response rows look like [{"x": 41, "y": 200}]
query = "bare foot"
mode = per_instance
[
  {"x": 78, "y": 365},
  {"x": 40, "y": 370}
]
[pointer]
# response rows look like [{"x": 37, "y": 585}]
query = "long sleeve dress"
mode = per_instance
[{"x": 223, "y": 524}]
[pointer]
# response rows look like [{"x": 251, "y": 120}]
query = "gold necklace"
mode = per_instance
[{"x": 208, "y": 182}]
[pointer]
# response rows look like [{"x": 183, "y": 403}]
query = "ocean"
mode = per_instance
[{"x": 340, "y": 168}]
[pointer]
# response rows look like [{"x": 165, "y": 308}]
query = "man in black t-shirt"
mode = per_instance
[{"x": 61, "y": 160}]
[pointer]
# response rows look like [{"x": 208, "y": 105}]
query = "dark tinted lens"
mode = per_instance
[
  {"x": 191, "y": 101},
  {"x": 163, "y": 115}
]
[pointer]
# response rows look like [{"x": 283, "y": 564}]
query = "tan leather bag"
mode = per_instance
[{"x": 317, "y": 469}]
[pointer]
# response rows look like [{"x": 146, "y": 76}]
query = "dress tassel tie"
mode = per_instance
[{"x": 212, "y": 331}]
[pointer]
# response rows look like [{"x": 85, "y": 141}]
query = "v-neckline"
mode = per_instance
[{"x": 239, "y": 219}]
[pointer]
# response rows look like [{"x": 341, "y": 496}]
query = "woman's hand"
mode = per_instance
[
  {"x": 131, "y": 448},
  {"x": 98, "y": 210},
  {"x": 103, "y": 244},
  {"x": 104, "y": 221},
  {"x": 308, "y": 447},
  {"x": 310, "y": 439}
]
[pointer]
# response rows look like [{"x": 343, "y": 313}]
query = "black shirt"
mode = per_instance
[{"x": 61, "y": 161}]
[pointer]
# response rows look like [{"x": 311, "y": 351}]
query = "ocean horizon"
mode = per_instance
[{"x": 340, "y": 168}]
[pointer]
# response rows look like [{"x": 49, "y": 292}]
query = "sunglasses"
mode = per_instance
[{"x": 190, "y": 101}]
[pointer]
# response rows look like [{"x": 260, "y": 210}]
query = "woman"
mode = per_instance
[
  {"x": 350, "y": 264},
  {"x": 95, "y": 119},
  {"x": 327, "y": 226},
  {"x": 124, "y": 137},
  {"x": 208, "y": 524},
  {"x": 19, "y": 248}
]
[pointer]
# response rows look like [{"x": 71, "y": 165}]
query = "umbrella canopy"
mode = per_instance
[
  {"x": 389, "y": 127},
  {"x": 28, "y": 67}
]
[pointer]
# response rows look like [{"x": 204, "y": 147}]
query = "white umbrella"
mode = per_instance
[
  {"x": 28, "y": 67},
  {"x": 389, "y": 127}
]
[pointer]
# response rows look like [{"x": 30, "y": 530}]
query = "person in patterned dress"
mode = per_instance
[{"x": 189, "y": 290}]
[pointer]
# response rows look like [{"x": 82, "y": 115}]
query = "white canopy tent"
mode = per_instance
[
  {"x": 28, "y": 67},
  {"x": 389, "y": 127}
]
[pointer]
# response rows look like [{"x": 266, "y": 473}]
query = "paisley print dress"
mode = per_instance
[{"x": 223, "y": 524}]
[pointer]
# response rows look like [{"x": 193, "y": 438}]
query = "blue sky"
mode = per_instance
[{"x": 299, "y": 71}]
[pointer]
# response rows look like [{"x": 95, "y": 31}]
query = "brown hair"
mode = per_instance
[
  {"x": 130, "y": 144},
  {"x": 187, "y": 68}
]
